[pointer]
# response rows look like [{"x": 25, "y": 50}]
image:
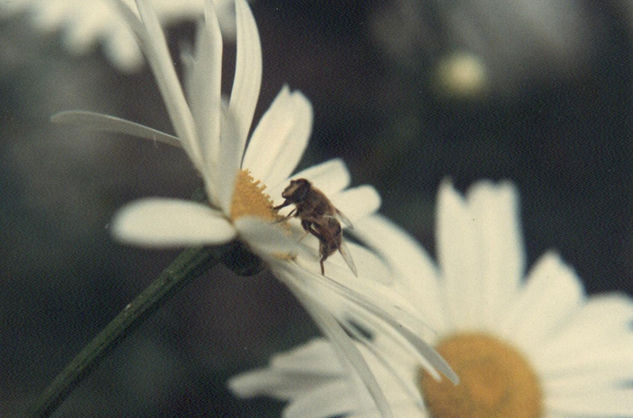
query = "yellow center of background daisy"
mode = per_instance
[
  {"x": 495, "y": 381},
  {"x": 249, "y": 198}
]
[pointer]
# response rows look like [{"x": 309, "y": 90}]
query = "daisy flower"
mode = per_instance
[
  {"x": 86, "y": 22},
  {"x": 533, "y": 347},
  {"x": 214, "y": 135}
]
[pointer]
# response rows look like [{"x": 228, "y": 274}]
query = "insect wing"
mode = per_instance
[
  {"x": 347, "y": 256},
  {"x": 344, "y": 219}
]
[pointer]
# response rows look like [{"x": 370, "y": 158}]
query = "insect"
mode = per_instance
[{"x": 318, "y": 217}]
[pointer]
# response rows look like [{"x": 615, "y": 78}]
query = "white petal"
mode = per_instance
[
  {"x": 551, "y": 296},
  {"x": 480, "y": 251},
  {"x": 169, "y": 223},
  {"x": 414, "y": 271},
  {"x": 50, "y": 15},
  {"x": 495, "y": 215},
  {"x": 591, "y": 376},
  {"x": 84, "y": 26},
  {"x": 611, "y": 403},
  {"x": 395, "y": 369},
  {"x": 408, "y": 408},
  {"x": 370, "y": 267},
  {"x": 330, "y": 177},
  {"x": 315, "y": 357},
  {"x": 358, "y": 202},
  {"x": 260, "y": 382},
  {"x": 331, "y": 399},
  {"x": 248, "y": 71},
  {"x": 460, "y": 256},
  {"x": 228, "y": 164},
  {"x": 427, "y": 356},
  {"x": 602, "y": 321},
  {"x": 122, "y": 49},
  {"x": 204, "y": 82},
  {"x": 266, "y": 239},
  {"x": 340, "y": 291},
  {"x": 275, "y": 383},
  {"x": 280, "y": 138},
  {"x": 225, "y": 9},
  {"x": 107, "y": 123},
  {"x": 152, "y": 39},
  {"x": 602, "y": 357},
  {"x": 342, "y": 343}
]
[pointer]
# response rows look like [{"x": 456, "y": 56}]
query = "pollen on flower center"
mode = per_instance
[
  {"x": 249, "y": 198},
  {"x": 495, "y": 381}
]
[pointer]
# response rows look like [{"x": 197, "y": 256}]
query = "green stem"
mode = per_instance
[{"x": 189, "y": 264}]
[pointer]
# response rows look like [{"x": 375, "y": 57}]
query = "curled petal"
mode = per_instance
[{"x": 107, "y": 123}]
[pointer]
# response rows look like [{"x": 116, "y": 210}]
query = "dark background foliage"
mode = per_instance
[{"x": 555, "y": 120}]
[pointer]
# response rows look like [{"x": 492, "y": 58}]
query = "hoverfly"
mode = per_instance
[{"x": 319, "y": 217}]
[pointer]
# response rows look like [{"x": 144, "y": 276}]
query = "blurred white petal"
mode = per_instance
[
  {"x": 494, "y": 209},
  {"x": 611, "y": 403},
  {"x": 274, "y": 383},
  {"x": 551, "y": 296},
  {"x": 329, "y": 399},
  {"x": 460, "y": 257},
  {"x": 86, "y": 23},
  {"x": 610, "y": 316}
]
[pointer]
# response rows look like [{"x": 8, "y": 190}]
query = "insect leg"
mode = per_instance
[
  {"x": 285, "y": 218},
  {"x": 283, "y": 205}
]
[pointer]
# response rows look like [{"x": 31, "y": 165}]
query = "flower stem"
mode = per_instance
[{"x": 189, "y": 264}]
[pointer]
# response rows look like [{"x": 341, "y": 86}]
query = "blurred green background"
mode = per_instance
[{"x": 552, "y": 113}]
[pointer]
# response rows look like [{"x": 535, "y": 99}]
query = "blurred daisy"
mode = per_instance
[
  {"x": 522, "y": 348},
  {"x": 214, "y": 136},
  {"x": 86, "y": 22}
]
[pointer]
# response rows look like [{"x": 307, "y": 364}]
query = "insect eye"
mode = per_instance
[{"x": 302, "y": 191}]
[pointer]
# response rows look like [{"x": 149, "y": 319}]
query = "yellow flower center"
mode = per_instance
[
  {"x": 495, "y": 381},
  {"x": 249, "y": 198}
]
